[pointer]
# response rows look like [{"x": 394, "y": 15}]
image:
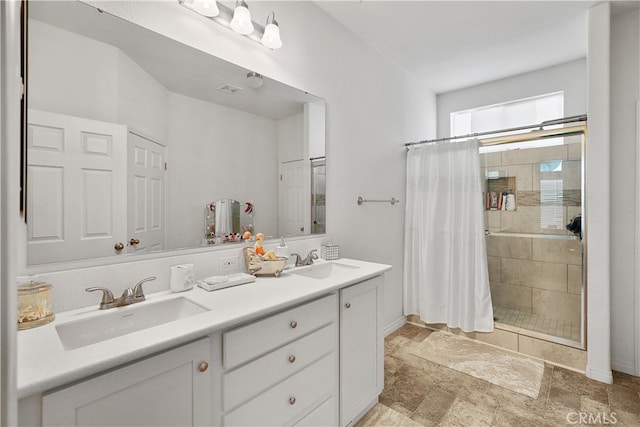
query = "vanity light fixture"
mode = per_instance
[
  {"x": 239, "y": 20},
  {"x": 208, "y": 8},
  {"x": 271, "y": 36}
]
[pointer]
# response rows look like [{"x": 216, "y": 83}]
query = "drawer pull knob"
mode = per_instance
[
  {"x": 203, "y": 367},
  {"x": 292, "y": 401},
  {"x": 292, "y": 359},
  {"x": 348, "y": 305},
  {"x": 293, "y": 324}
]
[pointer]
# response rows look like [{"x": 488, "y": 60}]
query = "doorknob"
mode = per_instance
[
  {"x": 302, "y": 228},
  {"x": 134, "y": 241},
  {"x": 118, "y": 246}
]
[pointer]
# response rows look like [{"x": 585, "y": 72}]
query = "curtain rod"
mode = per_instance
[{"x": 540, "y": 126}]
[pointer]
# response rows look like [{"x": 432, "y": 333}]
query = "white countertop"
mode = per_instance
[{"x": 43, "y": 363}]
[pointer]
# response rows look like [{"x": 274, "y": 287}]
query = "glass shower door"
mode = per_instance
[{"x": 533, "y": 209}]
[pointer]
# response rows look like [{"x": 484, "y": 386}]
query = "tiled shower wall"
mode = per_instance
[{"x": 530, "y": 272}]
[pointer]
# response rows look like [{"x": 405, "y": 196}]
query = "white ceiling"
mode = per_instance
[{"x": 448, "y": 45}]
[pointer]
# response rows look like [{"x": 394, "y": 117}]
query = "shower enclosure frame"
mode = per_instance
[
  {"x": 318, "y": 198},
  {"x": 539, "y": 135},
  {"x": 579, "y": 130}
]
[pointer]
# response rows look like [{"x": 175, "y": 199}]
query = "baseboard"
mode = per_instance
[
  {"x": 602, "y": 375},
  {"x": 395, "y": 325},
  {"x": 625, "y": 367}
]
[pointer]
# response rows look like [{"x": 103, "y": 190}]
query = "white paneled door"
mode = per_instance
[
  {"x": 146, "y": 174},
  {"x": 76, "y": 199},
  {"x": 295, "y": 198}
]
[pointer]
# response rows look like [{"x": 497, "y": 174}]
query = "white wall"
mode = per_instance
[
  {"x": 78, "y": 76},
  {"x": 570, "y": 77},
  {"x": 71, "y": 74},
  {"x": 218, "y": 153},
  {"x": 625, "y": 93},
  {"x": 315, "y": 133},
  {"x": 290, "y": 137},
  {"x": 141, "y": 101}
]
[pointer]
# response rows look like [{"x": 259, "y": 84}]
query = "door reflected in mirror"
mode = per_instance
[{"x": 188, "y": 130}]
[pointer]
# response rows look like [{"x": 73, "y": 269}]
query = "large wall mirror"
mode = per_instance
[{"x": 130, "y": 135}]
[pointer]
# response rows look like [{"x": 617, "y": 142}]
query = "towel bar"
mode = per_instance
[{"x": 393, "y": 201}]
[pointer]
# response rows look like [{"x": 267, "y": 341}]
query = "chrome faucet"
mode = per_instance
[
  {"x": 138, "y": 292},
  {"x": 308, "y": 260},
  {"x": 129, "y": 296}
]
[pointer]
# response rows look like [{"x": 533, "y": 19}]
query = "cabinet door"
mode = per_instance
[
  {"x": 361, "y": 348},
  {"x": 169, "y": 389}
]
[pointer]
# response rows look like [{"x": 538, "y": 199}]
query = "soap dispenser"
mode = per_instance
[{"x": 283, "y": 250}]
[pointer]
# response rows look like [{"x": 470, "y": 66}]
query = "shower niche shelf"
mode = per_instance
[{"x": 501, "y": 194}]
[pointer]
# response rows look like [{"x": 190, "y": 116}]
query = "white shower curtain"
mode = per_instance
[{"x": 446, "y": 277}]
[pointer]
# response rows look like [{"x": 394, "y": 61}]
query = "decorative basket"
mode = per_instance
[
  {"x": 329, "y": 252},
  {"x": 259, "y": 266}
]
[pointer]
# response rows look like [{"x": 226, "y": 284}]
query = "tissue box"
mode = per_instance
[{"x": 329, "y": 252}]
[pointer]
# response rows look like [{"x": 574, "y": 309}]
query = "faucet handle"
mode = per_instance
[
  {"x": 298, "y": 259},
  {"x": 313, "y": 254},
  {"x": 138, "y": 293},
  {"x": 107, "y": 296}
]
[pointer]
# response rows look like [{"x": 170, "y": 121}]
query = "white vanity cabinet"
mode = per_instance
[
  {"x": 169, "y": 389},
  {"x": 361, "y": 349},
  {"x": 312, "y": 357},
  {"x": 280, "y": 370}
]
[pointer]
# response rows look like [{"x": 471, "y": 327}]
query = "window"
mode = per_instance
[
  {"x": 521, "y": 112},
  {"x": 551, "y": 195}
]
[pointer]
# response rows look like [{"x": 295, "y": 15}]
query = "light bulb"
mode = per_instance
[
  {"x": 254, "y": 80},
  {"x": 208, "y": 8},
  {"x": 271, "y": 36},
  {"x": 241, "y": 22}
]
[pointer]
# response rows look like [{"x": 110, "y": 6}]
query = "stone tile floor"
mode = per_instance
[
  {"x": 421, "y": 393},
  {"x": 536, "y": 322}
]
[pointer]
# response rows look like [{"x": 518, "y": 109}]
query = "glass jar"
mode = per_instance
[{"x": 34, "y": 304}]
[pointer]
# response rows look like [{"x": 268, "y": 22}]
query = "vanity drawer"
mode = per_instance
[
  {"x": 247, "y": 342},
  {"x": 247, "y": 381},
  {"x": 289, "y": 399},
  {"x": 326, "y": 414}
]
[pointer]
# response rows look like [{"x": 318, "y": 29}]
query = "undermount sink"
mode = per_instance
[
  {"x": 124, "y": 320},
  {"x": 324, "y": 270}
]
